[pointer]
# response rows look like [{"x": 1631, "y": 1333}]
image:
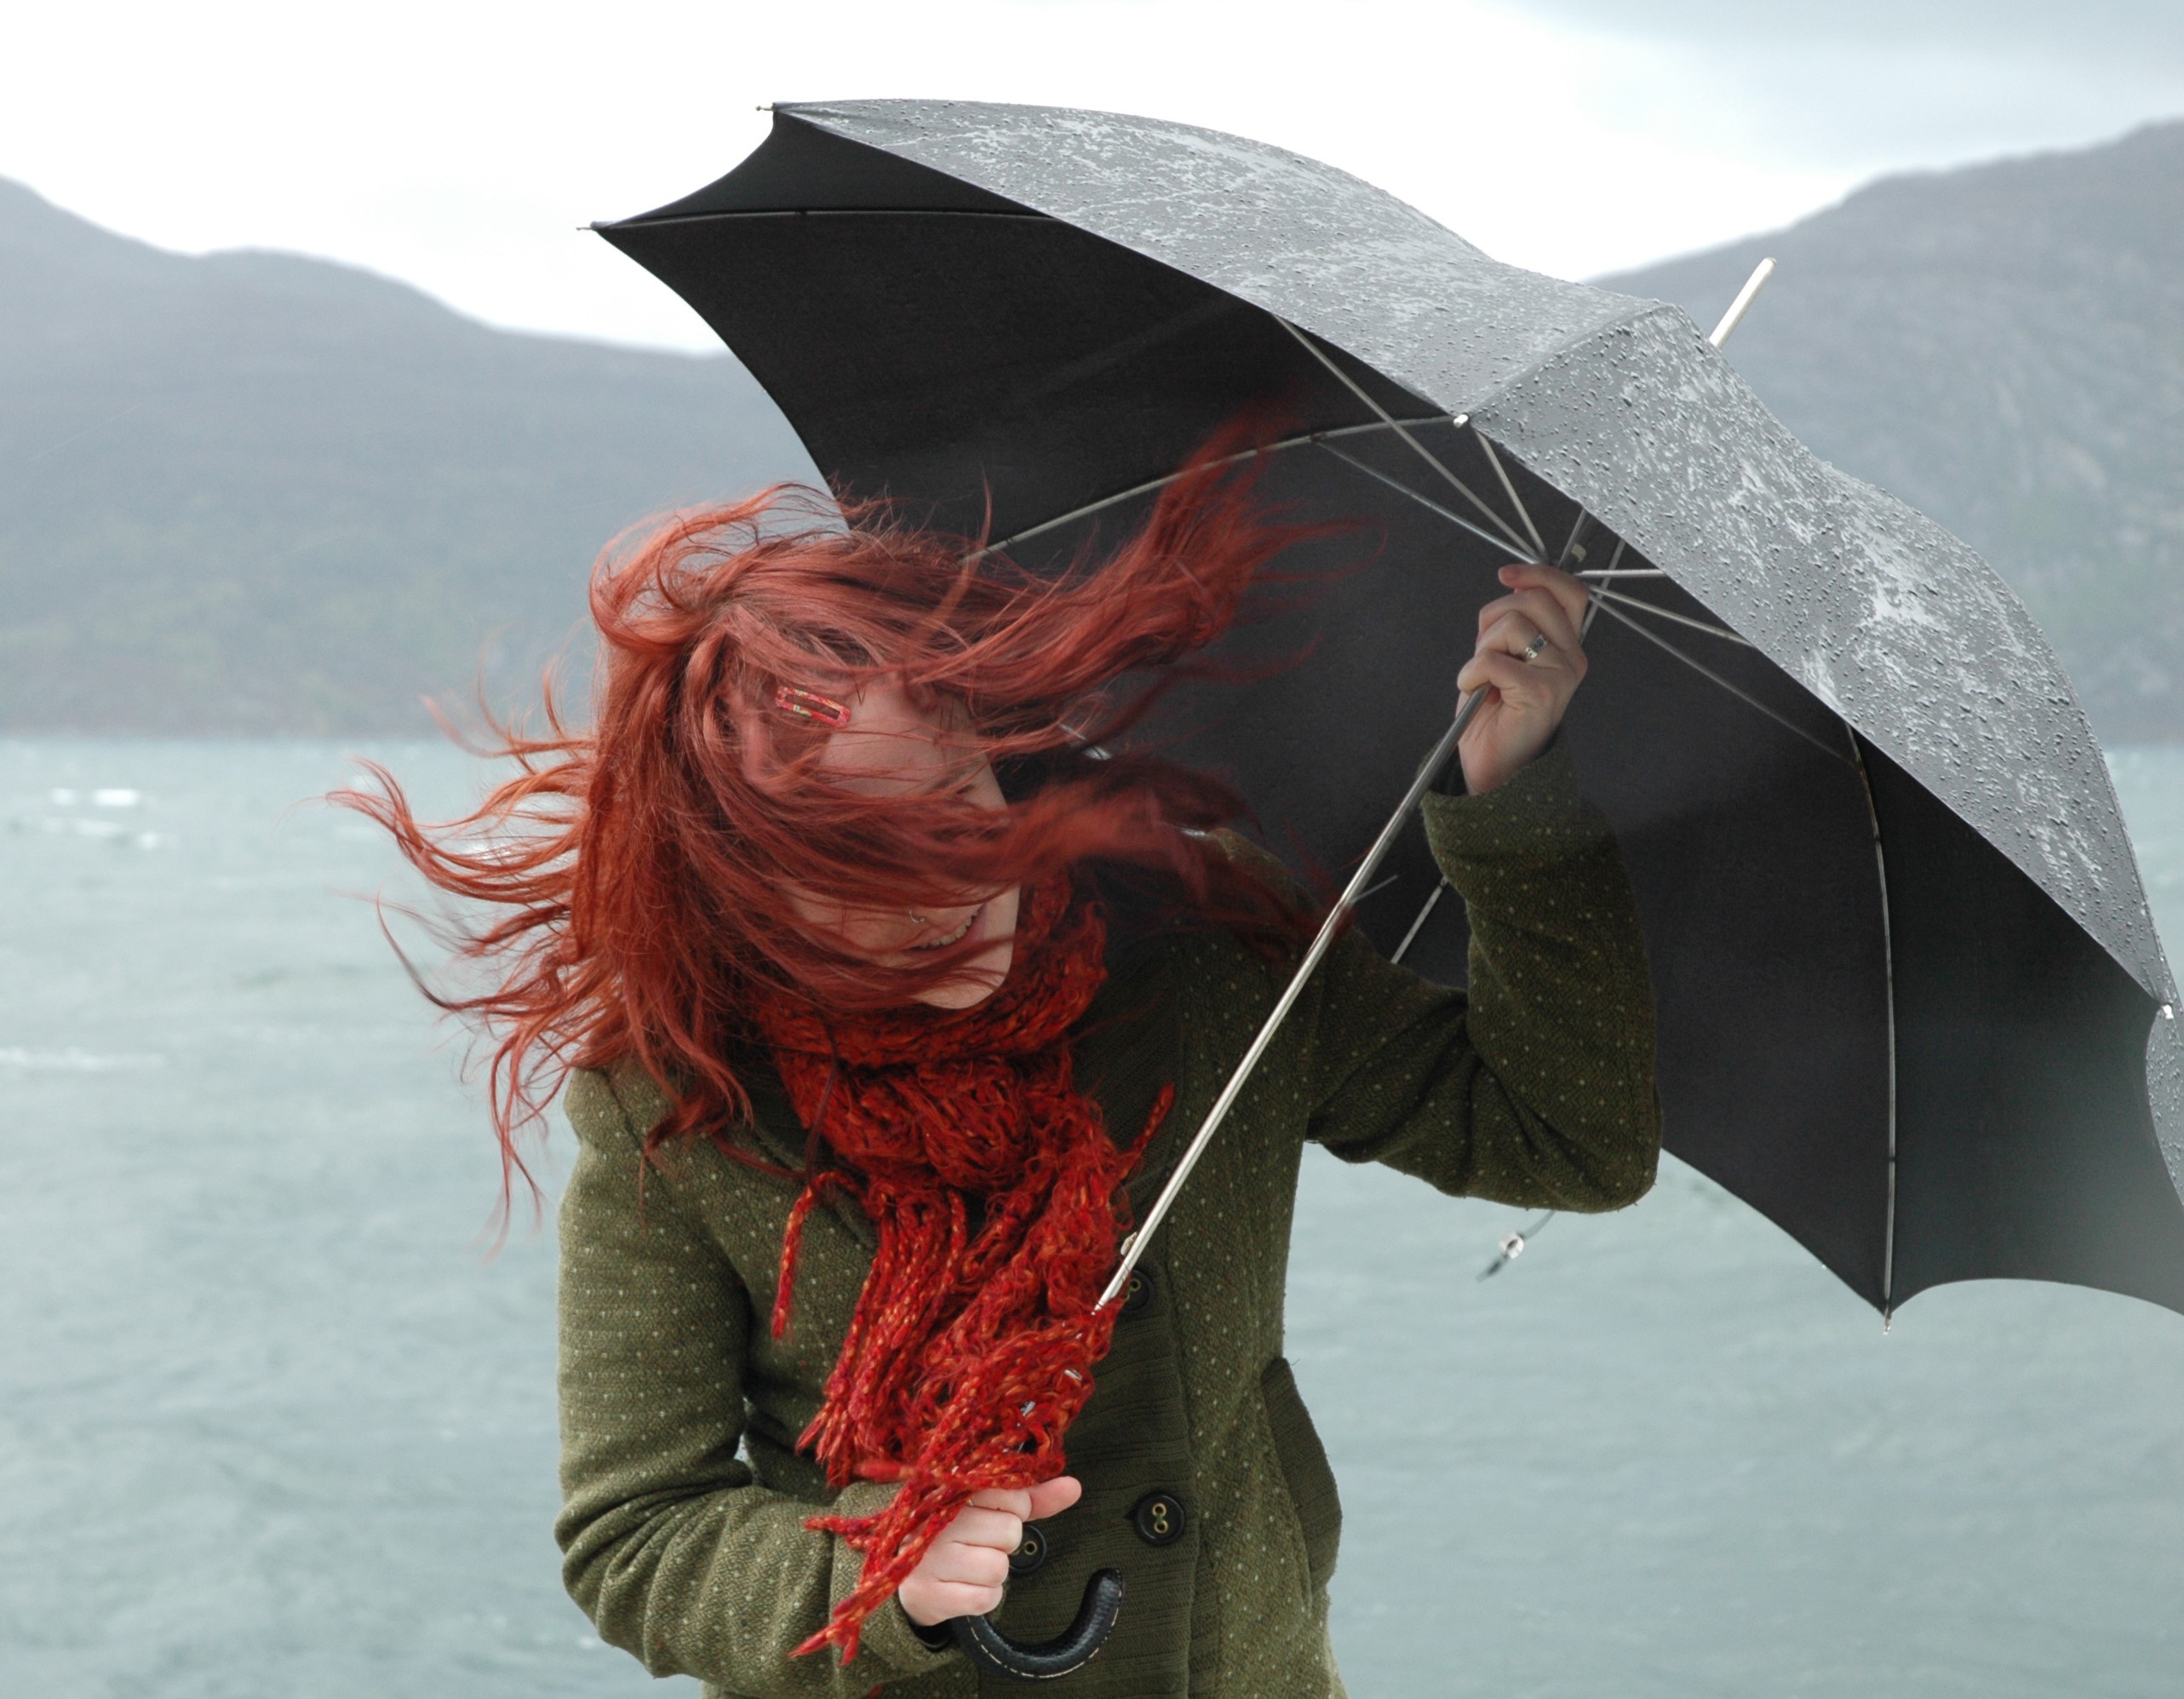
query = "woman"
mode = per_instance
[{"x": 885, "y": 998}]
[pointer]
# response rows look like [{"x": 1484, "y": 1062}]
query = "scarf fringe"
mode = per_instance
[{"x": 996, "y": 1193}]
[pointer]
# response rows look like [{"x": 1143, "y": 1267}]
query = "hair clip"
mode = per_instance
[{"x": 806, "y": 704}]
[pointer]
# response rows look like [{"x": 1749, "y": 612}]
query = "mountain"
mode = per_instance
[
  {"x": 2002, "y": 346},
  {"x": 251, "y": 492},
  {"x": 256, "y": 493}
]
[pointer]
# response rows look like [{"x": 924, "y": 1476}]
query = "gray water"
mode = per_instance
[{"x": 272, "y": 1423}]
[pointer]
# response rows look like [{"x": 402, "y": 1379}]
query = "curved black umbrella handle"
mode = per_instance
[{"x": 1076, "y": 1647}]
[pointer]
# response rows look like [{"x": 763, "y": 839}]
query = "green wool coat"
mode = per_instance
[{"x": 684, "y": 1499}]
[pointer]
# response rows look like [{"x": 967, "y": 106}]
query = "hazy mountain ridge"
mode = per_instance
[
  {"x": 253, "y": 492},
  {"x": 2003, "y": 346}
]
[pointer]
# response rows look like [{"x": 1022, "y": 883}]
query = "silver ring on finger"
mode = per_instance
[{"x": 1534, "y": 650}]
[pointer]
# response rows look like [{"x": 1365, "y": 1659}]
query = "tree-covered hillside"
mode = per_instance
[
  {"x": 2002, "y": 346},
  {"x": 254, "y": 493}
]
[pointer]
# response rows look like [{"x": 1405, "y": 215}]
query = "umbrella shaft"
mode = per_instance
[{"x": 1133, "y": 1247}]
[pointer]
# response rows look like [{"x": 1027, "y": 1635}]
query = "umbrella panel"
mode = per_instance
[
  {"x": 1750, "y": 853},
  {"x": 1050, "y": 369},
  {"x": 800, "y": 168},
  {"x": 2028, "y": 1148}
]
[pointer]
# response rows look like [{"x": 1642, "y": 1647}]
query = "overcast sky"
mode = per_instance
[{"x": 459, "y": 145}]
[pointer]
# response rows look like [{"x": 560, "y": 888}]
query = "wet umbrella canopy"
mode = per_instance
[{"x": 1912, "y": 1004}]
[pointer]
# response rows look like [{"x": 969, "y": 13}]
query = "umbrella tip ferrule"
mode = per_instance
[{"x": 1752, "y": 285}]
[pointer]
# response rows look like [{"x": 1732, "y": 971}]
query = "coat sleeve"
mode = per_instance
[
  {"x": 1536, "y": 1088},
  {"x": 668, "y": 1545}
]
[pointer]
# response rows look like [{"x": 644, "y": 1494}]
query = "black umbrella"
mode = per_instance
[{"x": 1911, "y": 1003}]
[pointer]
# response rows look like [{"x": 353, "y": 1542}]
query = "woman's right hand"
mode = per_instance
[{"x": 964, "y": 1570}]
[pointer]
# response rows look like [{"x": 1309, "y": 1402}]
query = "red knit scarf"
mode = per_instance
[{"x": 996, "y": 1195}]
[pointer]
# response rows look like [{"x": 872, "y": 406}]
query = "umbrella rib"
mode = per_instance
[
  {"x": 1375, "y": 890},
  {"x": 1416, "y": 447},
  {"x": 1425, "y": 502},
  {"x": 1706, "y": 672},
  {"x": 1509, "y": 489},
  {"x": 1571, "y": 552},
  {"x": 1889, "y": 964},
  {"x": 1592, "y": 602},
  {"x": 1419, "y": 924},
  {"x": 1643, "y": 607},
  {"x": 1163, "y": 482}
]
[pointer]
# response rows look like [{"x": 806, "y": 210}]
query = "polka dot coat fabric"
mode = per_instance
[{"x": 684, "y": 1500}]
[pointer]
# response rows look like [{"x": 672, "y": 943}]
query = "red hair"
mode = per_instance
[{"x": 638, "y": 868}]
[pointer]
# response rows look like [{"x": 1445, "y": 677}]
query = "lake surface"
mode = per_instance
[{"x": 271, "y": 1422}]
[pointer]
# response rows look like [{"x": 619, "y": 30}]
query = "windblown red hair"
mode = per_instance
[{"x": 633, "y": 874}]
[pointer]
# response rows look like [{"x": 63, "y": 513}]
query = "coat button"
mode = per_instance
[
  {"x": 1030, "y": 1553},
  {"x": 1136, "y": 1292},
  {"x": 1158, "y": 1518}
]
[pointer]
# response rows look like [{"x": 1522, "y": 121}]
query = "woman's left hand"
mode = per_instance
[{"x": 1529, "y": 661}]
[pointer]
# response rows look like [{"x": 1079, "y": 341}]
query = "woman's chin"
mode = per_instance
[
  {"x": 962, "y": 993},
  {"x": 976, "y": 979}
]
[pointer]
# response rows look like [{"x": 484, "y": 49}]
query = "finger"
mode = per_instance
[
  {"x": 938, "y": 1601},
  {"x": 1517, "y": 684},
  {"x": 1502, "y": 667},
  {"x": 1570, "y": 591},
  {"x": 1512, "y": 638},
  {"x": 1514, "y": 634},
  {"x": 1474, "y": 681},
  {"x": 1051, "y": 1498},
  {"x": 968, "y": 1566},
  {"x": 1546, "y": 612},
  {"x": 996, "y": 1528},
  {"x": 1545, "y": 609},
  {"x": 1479, "y": 673},
  {"x": 1013, "y": 1501}
]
